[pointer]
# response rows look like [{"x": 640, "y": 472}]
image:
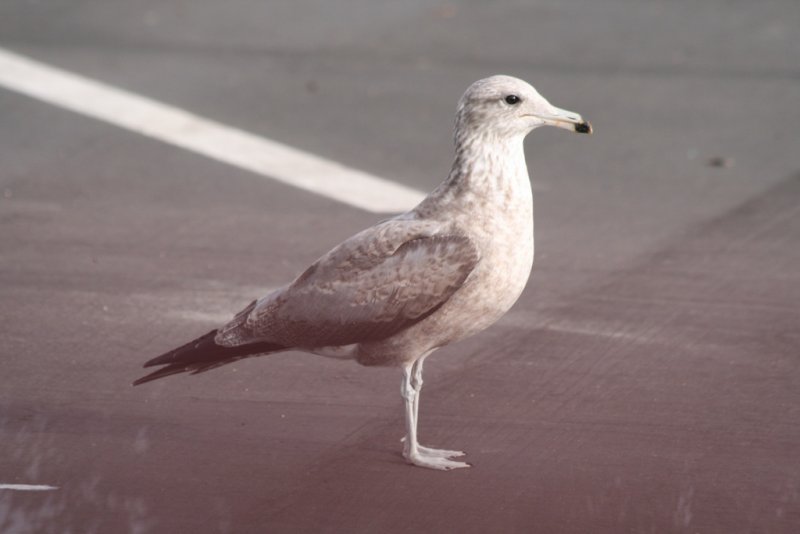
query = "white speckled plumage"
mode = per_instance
[{"x": 394, "y": 293}]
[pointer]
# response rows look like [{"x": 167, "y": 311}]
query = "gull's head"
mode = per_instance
[{"x": 503, "y": 106}]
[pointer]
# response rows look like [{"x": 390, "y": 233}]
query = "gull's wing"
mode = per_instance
[{"x": 370, "y": 287}]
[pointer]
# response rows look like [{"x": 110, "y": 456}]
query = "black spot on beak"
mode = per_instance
[{"x": 583, "y": 127}]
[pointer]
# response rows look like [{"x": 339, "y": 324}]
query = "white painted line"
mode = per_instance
[
  {"x": 203, "y": 136},
  {"x": 27, "y": 487}
]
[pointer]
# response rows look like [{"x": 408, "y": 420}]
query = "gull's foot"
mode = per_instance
[
  {"x": 433, "y": 458},
  {"x": 427, "y": 451},
  {"x": 437, "y": 461}
]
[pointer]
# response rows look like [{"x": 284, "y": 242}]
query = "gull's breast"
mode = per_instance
[{"x": 505, "y": 240}]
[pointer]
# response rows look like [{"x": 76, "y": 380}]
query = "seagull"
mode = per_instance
[{"x": 394, "y": 293}]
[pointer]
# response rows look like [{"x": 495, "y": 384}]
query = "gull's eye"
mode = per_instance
[{"x": 513, "y": 100}]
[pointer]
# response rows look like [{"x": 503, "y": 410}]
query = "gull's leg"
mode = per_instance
[
  {"x": 410, "y": 446},
  {"x": 412, "y": 451},
  {"x": 416, "y": 384},
  {"x": 412, "y": 379}
]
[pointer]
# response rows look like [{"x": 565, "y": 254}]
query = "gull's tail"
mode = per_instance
[{"x": 203, "y": 354}]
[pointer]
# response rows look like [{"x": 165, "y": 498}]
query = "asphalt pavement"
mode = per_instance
[{"x": 648, "y": 380}]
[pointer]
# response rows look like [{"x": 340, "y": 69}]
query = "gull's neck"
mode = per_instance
[{"x": 488, "y": 170}]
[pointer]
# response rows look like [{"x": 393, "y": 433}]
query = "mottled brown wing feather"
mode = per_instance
[{"x": 364, "y": 290}]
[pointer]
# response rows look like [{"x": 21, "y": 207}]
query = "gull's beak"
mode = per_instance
[{"x": 565, "y": 119}]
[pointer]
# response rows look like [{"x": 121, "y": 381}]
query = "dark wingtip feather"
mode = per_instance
[
  {"x": 203, "y": 354},
  {"x": 174, "y": 354}
]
